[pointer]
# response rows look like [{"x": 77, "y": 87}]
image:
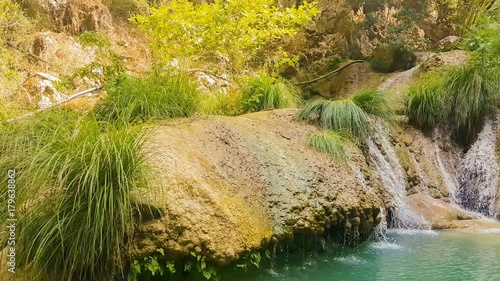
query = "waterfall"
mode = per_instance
[
  {"x": 450, "y": 182},
  {"x": 386, "y": 162},
  {"x": 480, "y": 174}
]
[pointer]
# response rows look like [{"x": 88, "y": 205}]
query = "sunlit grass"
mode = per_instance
[
  {"x": 426, "y": 102},
  {"x": 337, "y": 115},
  {"x": 329, "y": 142},
  {"x": 157, "y": 96},
  {"x": 373, "y": 102},
  {"x": 266, "y": 92},
  {"x": 75, "y": 175}
]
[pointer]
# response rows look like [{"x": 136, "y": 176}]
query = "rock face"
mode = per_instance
[
  {"x": 73, "y": 16},
  {"x": 228, "y": 185}
]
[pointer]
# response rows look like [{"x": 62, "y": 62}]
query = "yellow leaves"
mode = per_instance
[{"x": 223, "y": 30}]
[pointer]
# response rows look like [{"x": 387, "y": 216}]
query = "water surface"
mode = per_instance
[{"x": 405, "y": 255}]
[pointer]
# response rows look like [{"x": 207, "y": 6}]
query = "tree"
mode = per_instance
[{"x": 228, "y": 33}]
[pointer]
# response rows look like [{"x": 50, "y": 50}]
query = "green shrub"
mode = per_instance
[
  {"x": 392, "y": 56},
  {"x": 337, "y": 115},
  {"x": 373, "y": 102},
  {"x": 134, "y": 99},
  {"x": 265, "y": 92},
  {"x": 329, "y": 142},
  {"x": 80, "y": 212},
  {"x": 426, "y": 102},
  {"x": 91, "y": 38}
]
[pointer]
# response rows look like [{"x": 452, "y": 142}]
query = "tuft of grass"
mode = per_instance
[
  {"x": 266, "y": 92},
  {"x": 461, "y": 96},
  {"x": 475, "y": 93},
  {"x": 91, "y": 38},
  {"x": 373, "y": 102},
  {"x": 426, "y": 102},
  {"x": 337, "y": 115},
  {"x": 74, "y": 175},
  {"x": 221, "y": 103},
  {"x": 136, "y": 100},
  {"x": 329, "y": 142}
]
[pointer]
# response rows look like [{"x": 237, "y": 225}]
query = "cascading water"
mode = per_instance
[
  {"x": 480, "y": 174},
  {"x": 450, "y": 182},
  {"x": 386, "y": 162}
]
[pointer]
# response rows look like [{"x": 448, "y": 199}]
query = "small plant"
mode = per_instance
[
  {"x": 265, "y": 92},
  {"x": 91, "y": 38},
  {"x": 329, "y": 142},
  {"x": 337, "y": 115},
  {"x": 221, "y": 103},
  {"x": 132, "y": 99},
  {"x": 373, "y": 102}
]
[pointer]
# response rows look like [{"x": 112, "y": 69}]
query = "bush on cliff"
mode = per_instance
[
  {"x": 461, "y": 96},
  {"x": 391, "y": 57},
  {"x": 348, "y": 115},
  {"x": 266, "y": 92},
  {"x": 157, "y": 96},
  {"x": 74, "y": 178}
]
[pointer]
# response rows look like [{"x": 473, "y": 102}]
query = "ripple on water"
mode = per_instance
[
  {"x": 490, "y": 230},
  {"x": 384, "y": 245},
  {"x": 350, "y": 260},
  {"x": 404, "y": 231}
]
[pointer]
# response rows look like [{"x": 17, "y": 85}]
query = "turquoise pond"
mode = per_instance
[{"x": 404, "y": 255}]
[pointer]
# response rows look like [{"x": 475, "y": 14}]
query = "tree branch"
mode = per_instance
[{"x": 72, "y": 97}]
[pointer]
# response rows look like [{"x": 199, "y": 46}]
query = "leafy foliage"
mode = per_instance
[
  {"x": 265, "y": 92},
  {"x": 393, "y": 56},
  {"x": 227, "y": 32},
  {"x": 132, "y": 99},
  {"x": 329, "y": 142}
]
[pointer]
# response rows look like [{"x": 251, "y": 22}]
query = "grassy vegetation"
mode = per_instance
[
  {"x": 74, "y": 180},
  {"x": 161, "y": 96},
  {"x": 329, "y": 142},
  {"x": 373, "y": 102},
  {"x": 462, "y": 96},
  {"x": 337, "y": 115},
  {"x": 265, "y": 92},
  {"x": 221, "y": 103},
  {"x": 426, "y": 102},
  {"x": 474, "y": 92}
]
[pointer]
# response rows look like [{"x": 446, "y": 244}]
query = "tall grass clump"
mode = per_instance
[
  {"x": 266, "y": 92},
  {"x": 329, "y": 142},
  {"x": 78, "y": 217},
  {"x": 337, "y": 115},
  {"x": 426, "y": 102},
  {"x": 461, "y": 96},
  {"x": 157, "y": 96},
  {"x": 221, "y": 103},
  {"x": 475, "y": 94},
  {"x": 373, "y": 102}
]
